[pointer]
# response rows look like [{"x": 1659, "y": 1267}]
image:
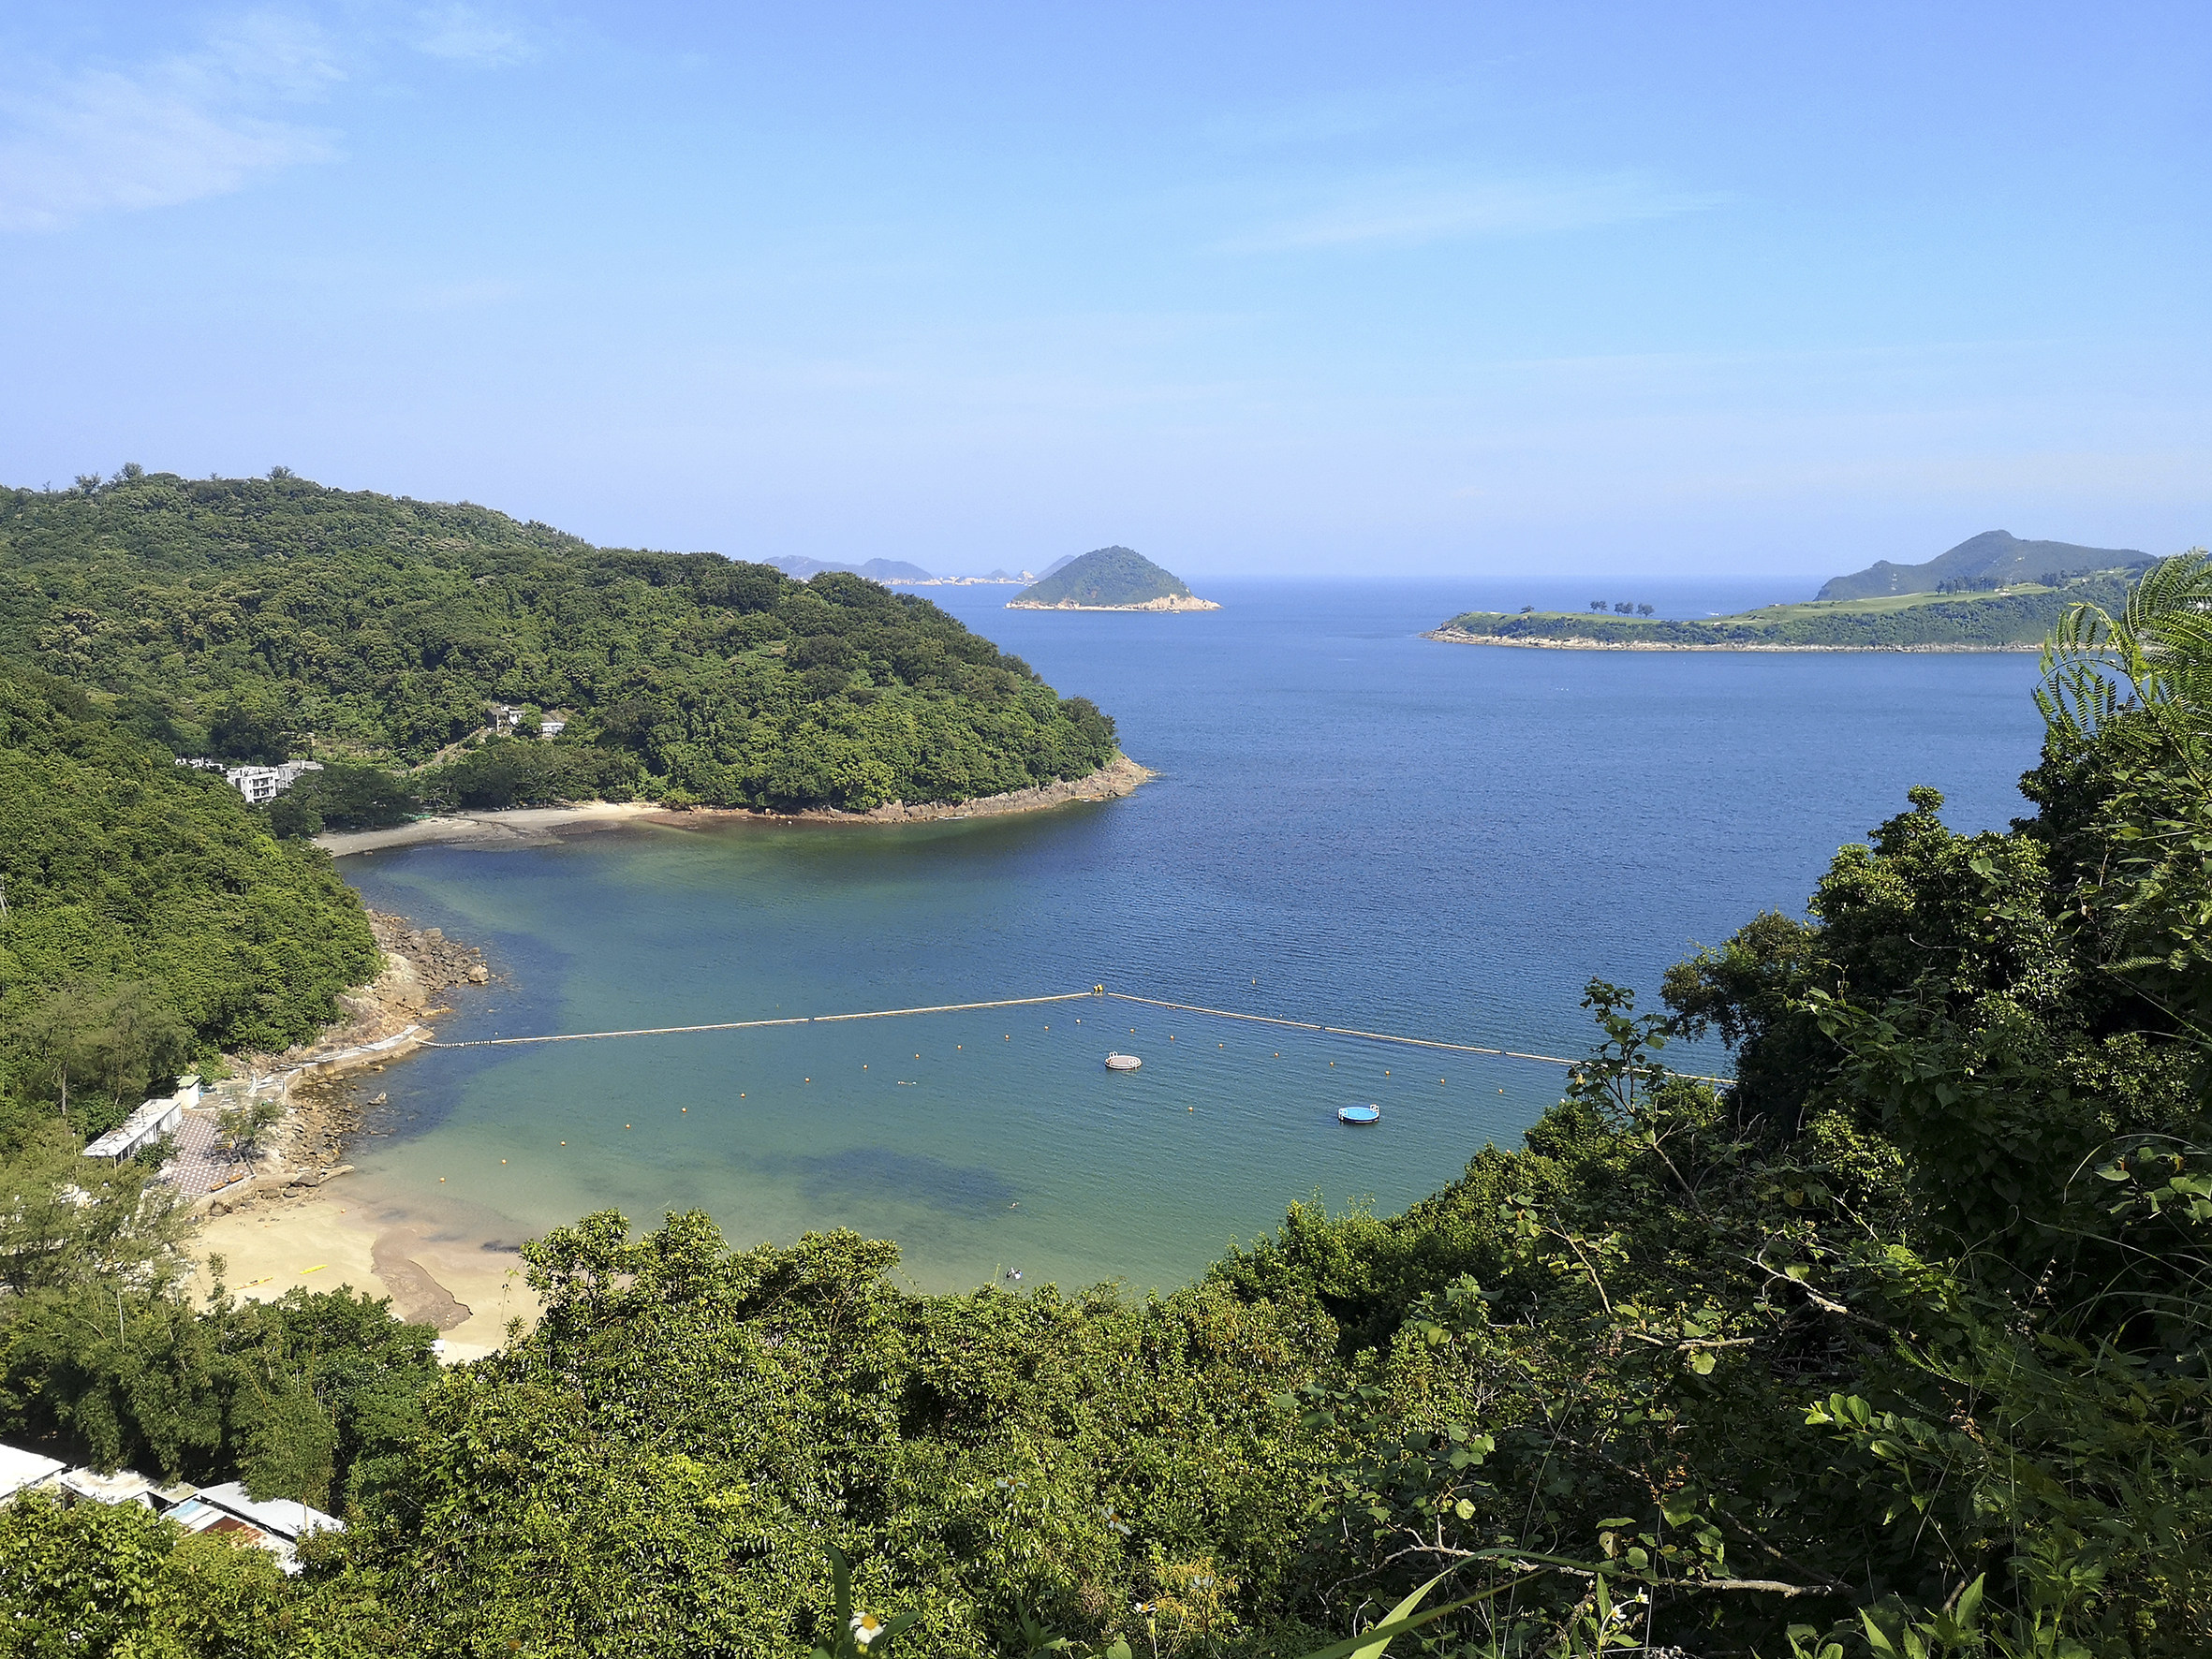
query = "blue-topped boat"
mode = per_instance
[{"x": 1359, "y": 1114}]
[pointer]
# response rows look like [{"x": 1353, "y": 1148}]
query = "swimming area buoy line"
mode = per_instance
[{"x": 1095, "y": 992}]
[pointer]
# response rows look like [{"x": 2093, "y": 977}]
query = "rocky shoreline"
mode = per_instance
[
  {"x": 1460, "y": 637},
  {"x": 1118, "y": 777},
  {"x": 315, "y": 1084},
  {"x": 1165, "y": 602}
]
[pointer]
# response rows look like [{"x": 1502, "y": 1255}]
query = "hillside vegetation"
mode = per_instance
[
  {"x": 151, "y": 918},
  {"x": 2016, "y": 618},
  {"x": 1994, "y": 559},
  {"x": 236, "y": 616},
  {"x": 1901, "y": 1345}
]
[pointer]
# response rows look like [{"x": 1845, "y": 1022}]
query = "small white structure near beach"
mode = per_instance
[{"x": 149, "y": 1124}]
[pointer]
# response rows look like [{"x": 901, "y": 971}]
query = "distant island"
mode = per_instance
[
  {"x": 1109, "y": 578},
  {"x": 1974, "y": 597}
]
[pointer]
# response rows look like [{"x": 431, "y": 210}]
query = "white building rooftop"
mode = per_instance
[{"x": 21, "y": 1469}]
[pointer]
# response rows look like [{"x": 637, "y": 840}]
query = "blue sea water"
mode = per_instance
[{"x": 1351, "y": 825}]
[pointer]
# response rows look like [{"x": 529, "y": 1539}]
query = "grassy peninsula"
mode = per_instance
[
  {"x": 237, "y": 616},
  {"x": 1109, "y": 578},
  {"x": 2008, "y": 619},
  {"x": 1899, "y": 1344}
]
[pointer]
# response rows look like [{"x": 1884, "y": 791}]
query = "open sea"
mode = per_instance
[{"x": 1351, "y": 825}]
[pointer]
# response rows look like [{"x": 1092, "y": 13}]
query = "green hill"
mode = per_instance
[
  {"x": 238, "y": 616},
  {"x": 2011, "y": 619},
  {"x": 150, "y": 917},
  {"x": 1115, "y": 577},
  {"x": 1994, "y": 559}
]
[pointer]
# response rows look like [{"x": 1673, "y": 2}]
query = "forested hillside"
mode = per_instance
[
  {"x": 150, "y": 917},
  {"x": 238, "y": 616},
  {"x": 1897, "y": 1346}
]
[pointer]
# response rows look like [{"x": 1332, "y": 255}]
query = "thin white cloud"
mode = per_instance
[
  {"x": 171, "y": 131},
  {"x": 1400, "y": 213},
  {"x": 472, "y": 34}
]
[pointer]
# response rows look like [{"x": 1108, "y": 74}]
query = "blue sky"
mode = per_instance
[{"x": 1672, "y": 291}]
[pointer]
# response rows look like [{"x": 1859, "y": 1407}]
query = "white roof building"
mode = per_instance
[
  {"x": 149, "y": 1124},
  {"x": 275, "y": 1524},
  {"x": 21, "y": 1470}
]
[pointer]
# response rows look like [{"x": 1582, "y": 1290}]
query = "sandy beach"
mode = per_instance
[
  {"x": 525, "y": 826},
  {"x": 468, "y": 1286}
]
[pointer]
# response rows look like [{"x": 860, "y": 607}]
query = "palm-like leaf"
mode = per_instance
[{"x": 2156, "y": 656}]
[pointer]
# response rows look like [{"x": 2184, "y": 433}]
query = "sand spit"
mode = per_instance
[{"x": 1460, "y": 637}]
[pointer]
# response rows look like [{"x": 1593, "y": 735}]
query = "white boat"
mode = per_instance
[
  {"x": 1122, "y": 1062},
  {"x": 1359, "y": 1114}
]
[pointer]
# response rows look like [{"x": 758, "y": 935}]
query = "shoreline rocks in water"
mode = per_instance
[
  {"x": 1165, "y": 602},
  {"x": 1118, "y": 777},
  {"x": 1460, "y": 637}
]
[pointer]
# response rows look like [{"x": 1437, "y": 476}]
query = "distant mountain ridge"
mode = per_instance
[
  {"x": 799, "y": 565},
  {"x": 1995, "y": 558}
]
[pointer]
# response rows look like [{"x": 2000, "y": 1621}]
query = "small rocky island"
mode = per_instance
[{"x": 1110, "y": 579}]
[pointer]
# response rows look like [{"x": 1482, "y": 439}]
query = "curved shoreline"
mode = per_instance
[
  {"x": 1459, "y": 637},
  {"x": 542, "y": 826}
]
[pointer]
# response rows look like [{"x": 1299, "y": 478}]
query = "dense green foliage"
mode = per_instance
[
  {"x": 343, "y": 797},
  {"x": 1899, "y": 1345},
  {"x": 238, "y": 616},
  {"x": 1997, "y": 620},
  {"x": 151, "y": 916},
  {"x": 1106, "y": 575}
]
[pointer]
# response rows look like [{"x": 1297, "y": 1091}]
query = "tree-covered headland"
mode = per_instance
[
  {"x": 1898, "y": 1345},
  {"x": 238, "y": 617}
]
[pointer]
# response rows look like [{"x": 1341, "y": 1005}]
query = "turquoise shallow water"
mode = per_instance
[{"x": 1352, "y": 826}]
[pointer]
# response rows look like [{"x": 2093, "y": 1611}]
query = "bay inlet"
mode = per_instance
[{"x": 1350, "y": 825}]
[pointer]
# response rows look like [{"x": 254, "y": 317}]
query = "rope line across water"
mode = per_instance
[{"x": 1024, "y": 1002}]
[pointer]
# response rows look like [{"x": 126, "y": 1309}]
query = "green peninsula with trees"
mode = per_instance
[
  {"x": 1900, "y": 1344},
  {"x": 2010, "y": 618},
  {"x": 234, "y": 617}
]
